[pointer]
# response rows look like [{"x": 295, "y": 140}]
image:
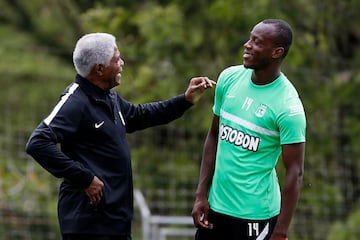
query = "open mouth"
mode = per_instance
[{"x": 246, "y": 55}]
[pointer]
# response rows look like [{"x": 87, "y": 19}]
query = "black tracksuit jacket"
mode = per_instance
[{"x": 90, "y": 125}]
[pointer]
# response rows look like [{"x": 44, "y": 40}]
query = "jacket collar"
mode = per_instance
[{"x": 90, "y": 89}]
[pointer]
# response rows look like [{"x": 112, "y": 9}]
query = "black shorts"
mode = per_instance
[{"x": 231, "y": 228}]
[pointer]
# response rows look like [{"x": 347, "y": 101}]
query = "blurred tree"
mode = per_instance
[{"x": 53, "y": 23}]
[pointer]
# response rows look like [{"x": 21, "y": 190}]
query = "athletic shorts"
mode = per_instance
[
  {"x": 232, "y": 228},
  {"x": 93, "y": 237}
]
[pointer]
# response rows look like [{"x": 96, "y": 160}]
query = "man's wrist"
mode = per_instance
[{"x": 280, "y": 236}]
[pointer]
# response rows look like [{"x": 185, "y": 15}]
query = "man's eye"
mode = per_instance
[{"x": 257, "y": 42}]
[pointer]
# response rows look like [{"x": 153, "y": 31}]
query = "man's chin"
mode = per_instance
[
  {"x": 247, "y": 66},
  {"x": 117, "y": 81}
]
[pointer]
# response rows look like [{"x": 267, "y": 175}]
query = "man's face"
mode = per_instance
[
  {"x": 112, "y": 73},
  {"x": 259, "y": 48}
]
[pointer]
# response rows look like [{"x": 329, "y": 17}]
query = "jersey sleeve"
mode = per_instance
[
  {"x": 218, "y": 96},
  {"x": 221, "y": 85},
  {"x": 292, "y": 122}
]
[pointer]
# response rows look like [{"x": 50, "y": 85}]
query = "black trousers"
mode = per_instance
[{"x": 93, "y": 237}]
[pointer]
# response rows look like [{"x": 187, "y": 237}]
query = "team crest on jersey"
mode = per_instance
[{"x": 260, "y": 112}]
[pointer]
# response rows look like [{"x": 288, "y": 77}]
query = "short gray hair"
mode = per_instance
[{"x": 92, "y": 49}]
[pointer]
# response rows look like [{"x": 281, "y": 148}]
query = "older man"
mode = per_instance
[{"x": 90, "y": 122}]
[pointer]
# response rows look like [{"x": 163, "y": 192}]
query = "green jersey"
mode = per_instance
[{"x": 255, "y": 120}]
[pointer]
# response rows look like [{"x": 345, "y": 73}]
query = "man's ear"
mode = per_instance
[
  {"x": 99, "y": 69},
  {"x": 278, "y": 52}
]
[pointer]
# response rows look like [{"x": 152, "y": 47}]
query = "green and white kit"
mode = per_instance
[{"x": 255, "y": 120}]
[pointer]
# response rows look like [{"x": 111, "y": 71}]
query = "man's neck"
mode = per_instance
[{"x": 261, "y": 77}]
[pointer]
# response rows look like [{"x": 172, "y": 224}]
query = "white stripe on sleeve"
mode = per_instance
[{"x": 58, "y": 106}]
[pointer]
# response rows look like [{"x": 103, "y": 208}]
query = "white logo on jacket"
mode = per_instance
[{"x": 97, "y": 125}]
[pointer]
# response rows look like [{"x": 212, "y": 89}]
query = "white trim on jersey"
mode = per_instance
[
  {"x": 247, "y": 124},
  {"x": 58, "y": 106}
]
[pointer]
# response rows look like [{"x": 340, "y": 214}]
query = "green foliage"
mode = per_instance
[
  {"x": 96, "y": 18},
  {"x": 348, "y": 229},
  {"x": 161, "y": 27},
  {"x": 31, "y": 78},
  {"x": 48, "y": 23}
]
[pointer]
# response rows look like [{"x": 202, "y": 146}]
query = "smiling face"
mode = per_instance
[
  {"x": 259, "y": 49},
  {"x": 111, "y": 74}
]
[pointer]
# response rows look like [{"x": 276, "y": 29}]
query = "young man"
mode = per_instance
[
  {"x": 257, "y": 116},
  {"x": 90, "y": 122}
]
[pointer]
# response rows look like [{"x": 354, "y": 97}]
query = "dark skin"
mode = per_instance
[
  {"x": 265, "y": 59},
  {"x": 107, "y": 77},
  {"x": 261, "y": 55}
]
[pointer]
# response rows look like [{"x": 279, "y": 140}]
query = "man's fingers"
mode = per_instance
[
  {"x": 205, "y": 82},
  {"x": 95, "y": 191},
  {"x": 95, "y": 199}
]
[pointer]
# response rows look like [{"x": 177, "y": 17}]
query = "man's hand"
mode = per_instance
[
  {"x": 95, "y": 191},
  {"x": 200, "y": 213},
  {"x": 196, "y": 88}
]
